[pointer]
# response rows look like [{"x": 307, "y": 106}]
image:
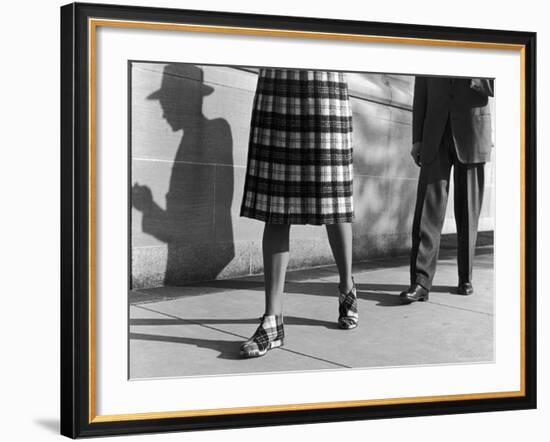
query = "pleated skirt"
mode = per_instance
[{"x": 300, "y": 167}]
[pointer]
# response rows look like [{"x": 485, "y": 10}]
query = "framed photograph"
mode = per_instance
[{"x": 273, "y": 220}]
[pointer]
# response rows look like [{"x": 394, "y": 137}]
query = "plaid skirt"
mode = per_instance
[{"x": 299, "y": 168}]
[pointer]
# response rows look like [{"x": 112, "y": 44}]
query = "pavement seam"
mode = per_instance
[
  {"x": 460, "y": 308},
  {"x": 190, "y": 321}
]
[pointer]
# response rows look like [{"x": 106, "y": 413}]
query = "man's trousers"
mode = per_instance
[{"x": 431, "y": 204}]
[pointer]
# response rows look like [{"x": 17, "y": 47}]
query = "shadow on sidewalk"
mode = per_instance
[
  {"x": 227, "y": 349},
  {"x": 288, "y": 320},
  {"x": 386, "y": 295},
  {"x": 383, "y": 294}
]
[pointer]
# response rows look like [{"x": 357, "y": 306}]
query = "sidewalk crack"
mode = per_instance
[
  {"x": 190, "y": 321},
  {"x": 460, "y": 308}
]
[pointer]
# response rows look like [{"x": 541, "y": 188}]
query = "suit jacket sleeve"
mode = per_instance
[{"x": 419, "y": 107}]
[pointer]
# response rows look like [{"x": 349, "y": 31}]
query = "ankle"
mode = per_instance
[
  {"x": 346, "y": 286},
  {"x": 276, "y": 313}
]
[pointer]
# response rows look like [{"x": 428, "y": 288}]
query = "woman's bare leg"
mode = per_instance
[
  {"x": 340, "y": 239},
  {"x": 275, "y": 247}
]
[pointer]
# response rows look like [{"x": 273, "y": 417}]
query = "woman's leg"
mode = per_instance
[
  {"x": 270, "y": 333},
  {"x": 275, "y": 252},
  {"x": 340, "y": 239}
]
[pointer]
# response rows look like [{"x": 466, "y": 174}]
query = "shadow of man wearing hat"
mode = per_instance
[{"x": 196, "y": 224}]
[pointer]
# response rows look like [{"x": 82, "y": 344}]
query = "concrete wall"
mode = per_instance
[{"x": 189, "y": 146}]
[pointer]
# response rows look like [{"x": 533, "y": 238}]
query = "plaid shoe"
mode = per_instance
[
  {"x": 269, "y": 334},
  {"x": 347, "y": 309}
]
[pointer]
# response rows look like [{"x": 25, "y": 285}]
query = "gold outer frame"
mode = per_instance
[{"x": 93, "y": 24}]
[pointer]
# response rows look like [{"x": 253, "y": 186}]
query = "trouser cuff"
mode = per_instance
[{"x": 423, "y": 281}]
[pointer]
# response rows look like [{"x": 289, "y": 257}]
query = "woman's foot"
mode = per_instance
[
  {"x": 269, "y": 334},
  {"x": 348, "y": 315}
]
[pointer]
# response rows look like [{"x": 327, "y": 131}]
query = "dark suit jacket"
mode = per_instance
[{"x": 435, "y": 98}]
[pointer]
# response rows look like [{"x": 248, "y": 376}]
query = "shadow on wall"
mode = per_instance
[{"x": 188, "y": 223}]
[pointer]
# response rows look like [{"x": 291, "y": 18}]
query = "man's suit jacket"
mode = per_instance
[{"x": 435, "y": 98}]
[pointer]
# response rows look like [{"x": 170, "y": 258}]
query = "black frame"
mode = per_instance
[{"x": 75, "y": 219}]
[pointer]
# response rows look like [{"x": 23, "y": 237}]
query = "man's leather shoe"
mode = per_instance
[
  {"x": 414, "y": 293},
  {"x": 465, "y": 288}
]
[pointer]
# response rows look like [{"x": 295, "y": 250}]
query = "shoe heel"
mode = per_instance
[
  {"x": 275, "y": 344},
  {"x": 425, "y": 298},
  {"x": 253, "y": 353}
]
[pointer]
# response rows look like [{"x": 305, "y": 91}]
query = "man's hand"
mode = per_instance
[
  {"x": 475, "y": 84},
  {"x": 482, "y": 86},
  {"x": 415, "y": 153}
]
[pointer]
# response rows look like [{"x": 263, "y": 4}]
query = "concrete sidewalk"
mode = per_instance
[{"x": 196, "y": 330}]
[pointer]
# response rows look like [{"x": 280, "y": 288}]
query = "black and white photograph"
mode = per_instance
[{"x": 285, "y": 219}]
